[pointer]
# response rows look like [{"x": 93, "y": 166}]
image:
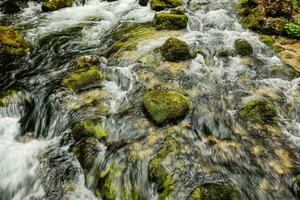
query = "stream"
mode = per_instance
[{"x": 36, "y": 162}]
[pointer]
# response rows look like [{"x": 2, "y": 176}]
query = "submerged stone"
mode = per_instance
[
  {"x": 175, "y": 50},
  {"x": 165, "y": 106},
  {"x": 89, "y": 128},
  {"x": 80, "y": 78},
  {"x": 159, "y": 5},
  {"x": 52, "y": 5},
  {"x": 170, "y": 21},
  {"x": 12, "y": 43},
  {"x": 243, "y": 47},
  {"x": 213, "y": 192},
  {"x": 258, "y": 110}
]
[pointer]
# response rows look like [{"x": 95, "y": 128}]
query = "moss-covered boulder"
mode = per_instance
[
  {"x": 243, "y": 47},
  {"x": 81, "y": 78},
  {"x": 159, "y": 5},
  {"x": 213, "y": 192},
  {"x": 163, "y": 106},
  {"x": 273, "y": 26},
  {"x": 175, "y": 50},
  {"x": 225, "y": 52},
  {"x": 12, "y": 43},
  {"x": 279, "y": 8},
  {"x": 89, "y": 128},
  {"x": 52, "y": 5},
  {"x": 175, "y": 21},
  {"x": 258, "y": 110}
]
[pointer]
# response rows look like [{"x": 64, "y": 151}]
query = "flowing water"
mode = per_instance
[{"x": 35, "y": 160}]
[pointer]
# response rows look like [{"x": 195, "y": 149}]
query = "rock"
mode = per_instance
[
  {"x": 225, "y": 52},
  {"x": 12, "y": 43},
  {"x": 143, "y": 2},
  {"x": 81, "y": 78},
  {"x": 159, "y": 5},
  {"x": 10, "y": 7},
  {"x": 284, "y": 72},
  {"x": 258, "y": 110},
  {"x": 165, "y": 106},
  {"x": 158, "y": 173},
  {"x": 243, "y": 47},
  {"x": 213, "y": 192},
  {"x": 89, "y": 128},
  {"x": 52, "y": 5},
  {"x": 85, "y": 61},
  {"x": 279, "y": 8},
  {"x": 252, "y": 18},
  {"x": 170, "y": 21},
  {"x": 175, "y": 50},
  {"x": 273, "y": 26}
]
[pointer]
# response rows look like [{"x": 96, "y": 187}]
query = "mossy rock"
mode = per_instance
[
  {"x": 243, "y": 47},
  {"x": 143, "y": 2},
  {"x": 213, "y": 192},
  {"x": 251, "y": 19},
  {"x": 52, "y": 5},
  {"x": 12, "y": 43},
  {"x": 89, "y": 128},
  {"x": 225, "y": 52},
  {"x": 158, "y": 173},
  {"x": 165, "y": 106},
  {"x": 170, "y": 21},
  {"x": 271, "y": 41},
  {"x": 284, "y": 72},
  {"x": 258, "y": 110},
  {"x": 159, "y": 5},
  {"x": 85, "y": 61},
  {"x": 80, "y": 78},
  {"x": 175, "y": 50},
  {"x": 86, "y": 151},
  {"x": 7, "y": 96}
]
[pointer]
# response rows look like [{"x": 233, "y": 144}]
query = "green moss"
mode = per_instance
[
  {"x": 284, "y": 71},
  {"x": 52, "y": 5},
  {"x": 12, "y": 42},
  {"x": 298, "y": 179},
  {"x": 293, "y": 29},
  {"x": 157, "y": 171},
  {"x": 213, "y": 192},
  {"x": 7, "y": 96},
  {"x": 175, "y": 50},
  {"x": 165, "y": 106},
  {"x": 170, "y": 21},
  {"x": 159, "y": 5},
  {"x": 258, "y": 110},
  {"x": 89, "y": 128},
  {"x": 243, "y": 47},
  {"x": 78, "y": 79}
]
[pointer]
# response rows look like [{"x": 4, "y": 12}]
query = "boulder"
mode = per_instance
[
  {"x": 273, "y": 26},
  {"x": 89, "y": 128},
  {"x": 279, "y": 8},
  {"x": 12, "y": 43},
  {"x": 52, "y": 5},
  {"x": 243, "y": 47},
  {"x": 78, "y": 79},
  {"x": 163, "y": 106},
  {"x": 159, "y": 5},
  {"x": 213, "y": 192},
  {"x": 258, "y": 110},
  {"x": 170, "y": 21},
  {"x": 143, "y": 2},
  {"x": 175, "y": 50}
]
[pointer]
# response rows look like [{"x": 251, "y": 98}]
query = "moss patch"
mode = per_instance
[
  {"x": 7, "y": 96},
  {"x": 80, "y": 78},
  {"x": 89, "y": 128},
  {"x": 175, "y": 50},
  {"x": 170, "y": 21},
  {"x": 165, "y": 106},
  {"x": 12, "y": 42},
  {"x": 213, "y": 192},
  {"x": 243, "y": 47},
  {"x": 52, "y": 5},
  {"x": 258, "y": 110},
  {"x": 159, "y": 5}
]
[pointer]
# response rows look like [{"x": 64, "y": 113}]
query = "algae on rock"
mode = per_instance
[
  {"x": 52, "y": 5},
  {"x": 243, "y": 47},
  {"x": 159, "y": 5},
  {"x": 165, "y": 106},
  {"x": 175, "y": 21}
]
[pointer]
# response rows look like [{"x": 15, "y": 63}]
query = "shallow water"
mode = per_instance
[{"x": 35, "y": 160}]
